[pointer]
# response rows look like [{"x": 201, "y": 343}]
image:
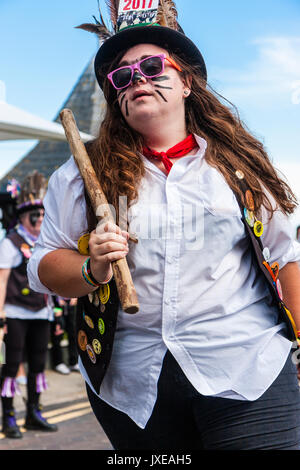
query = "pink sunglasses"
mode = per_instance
[{"x": 149, "y": 67}]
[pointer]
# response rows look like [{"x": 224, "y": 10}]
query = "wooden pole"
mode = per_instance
[{"x": 122, "y": 275}]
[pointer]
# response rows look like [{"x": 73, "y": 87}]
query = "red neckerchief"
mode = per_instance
[{"x": 179, "y": 150}]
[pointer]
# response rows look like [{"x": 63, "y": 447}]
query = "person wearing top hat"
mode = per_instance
[
  {"x": 25, "y": 314},
  {"x": 207, "y": 362}
]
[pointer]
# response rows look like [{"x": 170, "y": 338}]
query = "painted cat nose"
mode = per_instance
[{"x": 137, "y": 76}]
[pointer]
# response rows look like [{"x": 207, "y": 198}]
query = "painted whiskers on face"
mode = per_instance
[
  {"x": 161, "y": 95},
  {"x": 159, "y": 79},
  {"x": 121, "y": 95},
  {"x": 121, "y": 101}
]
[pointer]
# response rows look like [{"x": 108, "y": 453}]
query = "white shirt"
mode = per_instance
[
  {"x": 10, "y": 257},
  {"x": 199, "y": 293}
]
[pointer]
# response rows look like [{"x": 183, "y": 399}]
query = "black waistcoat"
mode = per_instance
[
  {"x": 18, "y": 292},
  {"x": 95, "y": 328}
]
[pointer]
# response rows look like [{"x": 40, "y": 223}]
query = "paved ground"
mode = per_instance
[{"x": 65, "y": 403}]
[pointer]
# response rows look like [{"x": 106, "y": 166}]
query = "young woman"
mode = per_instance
[{"x": 206, "y": 362}]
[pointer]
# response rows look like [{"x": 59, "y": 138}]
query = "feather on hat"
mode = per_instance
[
  {"x": 33, "y": 190},
  {"x": 152, "y": 25}
]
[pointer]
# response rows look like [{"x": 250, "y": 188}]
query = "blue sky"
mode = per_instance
[{"x": 251, "y": 48}]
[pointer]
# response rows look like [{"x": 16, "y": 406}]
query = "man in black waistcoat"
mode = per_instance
[{"x": 24, "y": 314}]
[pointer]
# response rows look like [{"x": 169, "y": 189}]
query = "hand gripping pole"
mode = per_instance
[{"x": 122, "y": 275}]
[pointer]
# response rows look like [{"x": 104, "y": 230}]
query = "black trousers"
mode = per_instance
[
  {"x": 29, "y": 336},
  {"x": 68, "y": 323},
  {"x": 183, "y": 419}
]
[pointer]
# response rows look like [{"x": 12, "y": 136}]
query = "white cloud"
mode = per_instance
[
  {"x": 281, "y": 53},
  {"x": 274, "y": 70}
]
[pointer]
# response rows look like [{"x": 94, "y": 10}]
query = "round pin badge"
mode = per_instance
[
  {"x": 101, "y": 326},
  {"x": 96, "y": 300},
  {"x": 279, "y": 290},
  {"x": 25, "y": 291},
  {"x": 82, "y": 340},
  {"x": 97, "y": 346},
  {"x": 275, "y": 269},
  {"x": 83, "y": 244},
  {"x": 240, "y": 174},
  {"x": 89, "y": 321},
  {"x": 26, "y": 250},
  {"x": 266, "y": 253},
  {"x": 91, "y": 353},
  {"x": 249, "y": 216},
  {"x": 268, "y": 267},
  {"x": 258, "y": 228},
  {"x": 249, "y": 200},
  {"x": 102, "y": 308},
  {"x": 104, "y": 293}
]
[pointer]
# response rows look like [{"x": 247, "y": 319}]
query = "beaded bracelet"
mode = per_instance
[{"x": 88, "y": 276}]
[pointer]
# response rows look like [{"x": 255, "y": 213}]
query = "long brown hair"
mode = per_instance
[{"x": 230, "y": 146}]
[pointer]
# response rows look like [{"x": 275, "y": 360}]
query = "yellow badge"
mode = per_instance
[
  {"x": 89, "y": 321},
  {"x": 258, "y": 228},
  {"x": 25, "y": 291},
  {"x": 82, "y": 340},
  {"x": 83, "y": 244},
  {"x": 104, "y": 293},
  {"x": 97, "y": 346}
]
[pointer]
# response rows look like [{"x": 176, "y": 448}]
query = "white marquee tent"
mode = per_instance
[{"x": 16, "y": 124}]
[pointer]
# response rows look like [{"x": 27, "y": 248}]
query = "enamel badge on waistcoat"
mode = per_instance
[
  {"x": 254, "y": 229},
  {"x": 96, "y": 325}
]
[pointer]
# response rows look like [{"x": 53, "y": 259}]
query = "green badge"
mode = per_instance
[{"x": 101, "y": 326}]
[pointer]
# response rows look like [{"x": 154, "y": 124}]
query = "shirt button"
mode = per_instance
[
  {"x": 169, "y": 259},
  {"x": 167, "y": 301}
]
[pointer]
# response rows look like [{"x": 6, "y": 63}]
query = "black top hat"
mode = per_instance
[
  {"x": 32, "y": 192},
  {"x": 150, "y": 26}
]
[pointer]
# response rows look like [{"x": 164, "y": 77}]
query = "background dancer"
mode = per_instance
[
  {"x": 64, "y": 322},
  {"x": 26, "y": 312}
]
